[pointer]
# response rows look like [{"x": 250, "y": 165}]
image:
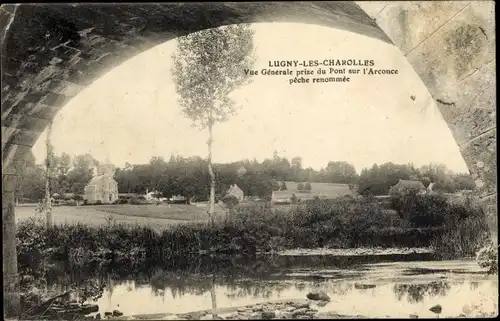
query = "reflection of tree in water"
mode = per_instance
[
  {"x": 417, "y": 292},
  {"x": 473, "y": 285},
  {"x": 255, "y": 289},
  {"x": 194, "y": 275}
]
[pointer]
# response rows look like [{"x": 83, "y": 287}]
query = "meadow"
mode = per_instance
[
  {"x": 155, "y": 217},
  {"x": 330, "y": 190},
  {"x": 85, "y": 233}
]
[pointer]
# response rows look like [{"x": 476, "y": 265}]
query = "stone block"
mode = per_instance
[
  {"x": 19, "y": 136},
  {"x": 460, "y": 47},
  {"x": 53, "y": 99},
  {"x": 490, "y": 208},
  {"x": 469, "y": 107},
  {"x": 480, "y": 157},
  {"x": 409, "y": 23}
]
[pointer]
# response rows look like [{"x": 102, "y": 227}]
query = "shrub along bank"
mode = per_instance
[{"x": 454, "y": 229}]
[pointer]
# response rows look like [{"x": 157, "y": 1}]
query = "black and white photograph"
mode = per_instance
[{"x": 249, "y": 160}]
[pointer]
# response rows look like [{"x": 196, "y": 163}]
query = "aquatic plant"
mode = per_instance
[
  {"x": 252, "y": 229},
  {"x": 487, "y": 257}
]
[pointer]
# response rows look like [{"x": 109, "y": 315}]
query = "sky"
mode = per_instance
[{"x": 131, "y": 113}]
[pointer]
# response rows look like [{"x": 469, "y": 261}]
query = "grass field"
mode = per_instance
[
  {"x": 156, "y": 217},
  {"x": 329, "y": 190}
]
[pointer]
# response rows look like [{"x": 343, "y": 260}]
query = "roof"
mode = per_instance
[
  {"x": 234, "y": 189},
  {"x": 410, "y": 184},
  {"x": 97, "y": 179}
]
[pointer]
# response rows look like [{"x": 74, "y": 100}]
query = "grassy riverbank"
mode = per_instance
[{"x": 455, "y": 229}]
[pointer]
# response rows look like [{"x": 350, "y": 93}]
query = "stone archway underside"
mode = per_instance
[{"x": 51, "y": 52}]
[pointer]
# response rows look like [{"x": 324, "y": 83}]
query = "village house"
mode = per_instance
[
  {"x": 102, "y": 188},
  {"x": 235, "y": 191},
  {"x": 153, "y": 195},
  {"x": 409, "y": 184}
]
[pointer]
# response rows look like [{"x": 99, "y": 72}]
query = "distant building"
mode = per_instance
[
  {"x": 178, "y": 198},
  {"x": 408, "y": 184},
  {"x": 151, "y": 195},
  {"x": 102, "y": 188},
  {"x": 235, "y": 191}
]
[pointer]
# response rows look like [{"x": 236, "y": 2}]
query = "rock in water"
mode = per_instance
[
  {"x": 436, "y": 309},
  {"x": 117, "y": 313},
  {"x": 413, "y": 316},
  {"x": 318, "y": 296},
  {"x": 89, "y": 308},
  {"x": 267, "y": 315},
  {"x": 322, "y": 303}
]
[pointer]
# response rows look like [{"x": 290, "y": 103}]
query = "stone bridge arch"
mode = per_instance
[{"x": 51, "y": 52}]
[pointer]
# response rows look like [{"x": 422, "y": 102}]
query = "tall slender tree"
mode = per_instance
[
  {"x": 48, "y": 175},
  {"x": 207, "y": 67}
]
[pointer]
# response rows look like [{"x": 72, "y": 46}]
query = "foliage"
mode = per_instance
[
  {"x": 379, "y": 178},
  {"x": 307, "y": 187},
  {"x": 256, "y": 228},
  {"x": 207, "y": 67},
  {"x": 230, "y": 201},
  {"x": 487, "y": 257}
]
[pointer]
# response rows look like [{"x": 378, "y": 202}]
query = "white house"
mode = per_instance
[
  {"x": 235, "y": 191},
  {"x": 102, "y": 188},
  {"x": 152, "y": 195}
]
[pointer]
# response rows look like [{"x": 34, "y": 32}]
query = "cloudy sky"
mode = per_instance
[{"x": 131, "y": 113}]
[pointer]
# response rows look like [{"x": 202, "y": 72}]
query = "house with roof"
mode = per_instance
[
  {"x": 102, "y": 188},
  {"x": 235, "y": 191},
  {"x": 409, "y": 184}
]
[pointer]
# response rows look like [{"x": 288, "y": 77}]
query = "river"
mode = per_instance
[{"x": 371, "y": 286}]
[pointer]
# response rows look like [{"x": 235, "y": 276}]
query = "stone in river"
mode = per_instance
[
  {"x": 257, "y": 308},
  {"x": 108, "y": 314},
  {"x": 322, "y": 303},
  {"x": 413, "y": 316},
  {"x": 318, "y": 296},
  {"x": 301, "y": 311},
  {"x": 267, "y": 315},
  {"x": 117, "y": 313},
  {"x": 89, "y": 308},
  {"x": 436, "y": 309},
  {"x": 364, "y": 286}
]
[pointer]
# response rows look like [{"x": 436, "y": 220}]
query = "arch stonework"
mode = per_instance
[{"x": 50, "y": 53}]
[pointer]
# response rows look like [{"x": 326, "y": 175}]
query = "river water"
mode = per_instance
[{"x": 371, "y": 286}]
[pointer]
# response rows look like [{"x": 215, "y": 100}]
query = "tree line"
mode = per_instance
[{"x": 189, "y": 177}]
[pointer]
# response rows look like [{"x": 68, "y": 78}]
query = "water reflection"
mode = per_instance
[
  {"x": 417, "y": 292},
  {"x": 210, "y": 283}
]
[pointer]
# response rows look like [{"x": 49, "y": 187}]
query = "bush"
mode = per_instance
[
  {"x": 260, "y": 228},
  {"x": 230, "y": 201}
]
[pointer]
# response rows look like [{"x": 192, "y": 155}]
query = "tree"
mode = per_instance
[
  {"x": 50, "y": 157},
  {"x": 207, "y": 67},
  {"x": 341, "y": 172},
  {"x": 300, "y": 186},
  {"x": 308, "y": 187},
  {"x": 283, "y": 186}
]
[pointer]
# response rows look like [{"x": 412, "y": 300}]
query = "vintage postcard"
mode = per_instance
[{"x": 249, "y": 160}]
